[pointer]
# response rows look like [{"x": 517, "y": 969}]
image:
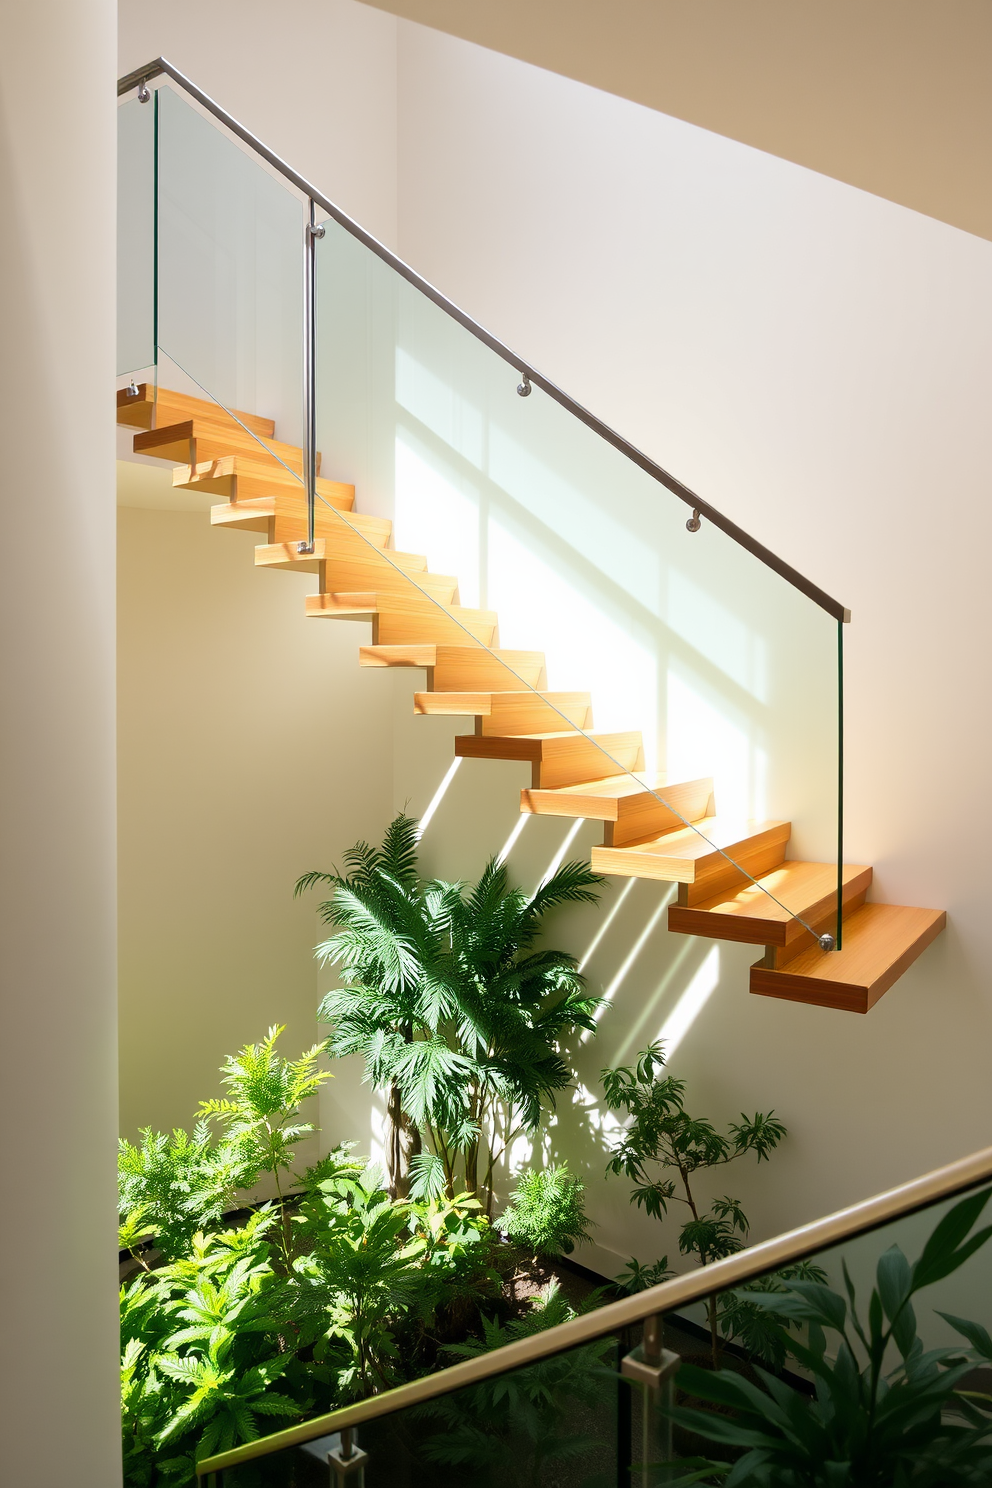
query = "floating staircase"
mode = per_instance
[{"x": 576, "y": 772}]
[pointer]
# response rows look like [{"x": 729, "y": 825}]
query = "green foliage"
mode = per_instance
[
  {"x": 515, "y": 1429},
  {"x": 636, "y": 1277},
  {"x": 662, "y": 1139},
  {"x": 318, "y": 1298},
  {"x": 457, "y": 1013},
  {"x": 546, "y": 1211},
  {"x": 202, "y": 1355},
  {"x": 177, "y": 1185},
  {"x": 886, "y": 1410}
]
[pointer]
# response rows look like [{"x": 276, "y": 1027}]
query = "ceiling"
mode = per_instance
[{"x": 892, "y": 96}]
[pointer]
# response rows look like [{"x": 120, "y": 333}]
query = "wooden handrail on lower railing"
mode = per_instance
[{"x": 795, "y": 1245}]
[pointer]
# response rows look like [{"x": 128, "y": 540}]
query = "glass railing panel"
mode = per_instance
[
  {"x": 135, "y": 235},
  {"x": 563, "y": 1422},
  {"x": 725, "y": 667},
  {"x": 867, "y": 1362},
  {"x": 230, "y": 256}
]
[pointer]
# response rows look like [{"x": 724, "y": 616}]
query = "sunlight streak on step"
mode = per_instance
[
  {"x": 691, "y": 1003},
  {"x": 438, "y": 796}
]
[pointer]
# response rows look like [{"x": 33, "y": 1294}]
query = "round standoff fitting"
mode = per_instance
[{"x": 827, "y": 942}]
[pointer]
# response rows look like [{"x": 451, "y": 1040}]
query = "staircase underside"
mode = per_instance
[{"x": 733, "y": 879}]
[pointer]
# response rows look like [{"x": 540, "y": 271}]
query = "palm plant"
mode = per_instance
[{"x": 458, "y": 1016}]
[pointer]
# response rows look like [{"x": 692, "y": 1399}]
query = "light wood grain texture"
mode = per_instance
[
  {"x": 196, "y": 441},
  {"x": 699, "y": 859},
  {"x": 259, "y": 513},
  {"x": 461, "y": 668},
  {"x": 628, "y": 805},
  {"x": 559, "y": 758},
  {"x": 241, "y": 479},
  {"x": 366, "y": 570},
  {"x": 510, "y": 712},
  {"x": 880, "y": 942},
  {"x": 399, "y": 619},
  {"x": 750, "y": 916},
  {"x": 151, "y": 409}
]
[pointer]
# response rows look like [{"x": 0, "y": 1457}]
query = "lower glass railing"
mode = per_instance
[{"x": 856, "y": 1350}]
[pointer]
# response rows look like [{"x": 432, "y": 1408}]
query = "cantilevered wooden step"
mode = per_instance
[
  {"x": 701, "y": 859},
  {"x": 510, "y": 712},
  {"x": 629, "y": 805},
  {"x": 262, "y": 514},
  {"x": 559, "y": 758},
  {"x": 351, "y": 567},
  {"x": 880, "y": 942},
  {"x": 240, "y": 478},
  {"x": 150, "y": 407},
  {"x": 460, "y": 668},
  {"x": 196, "y": 441},
  {"x": 749, "y": 915},
  {"x": 399, "y": 619}
]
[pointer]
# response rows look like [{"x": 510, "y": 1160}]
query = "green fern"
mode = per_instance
[{"x": 546, "y": 1211}]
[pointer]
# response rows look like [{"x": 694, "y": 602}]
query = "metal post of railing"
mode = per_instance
[
  {"x": 347, "y": 1462},
  {"x": 311, "y": 233},
  {"x": 653, "y": 1367}
]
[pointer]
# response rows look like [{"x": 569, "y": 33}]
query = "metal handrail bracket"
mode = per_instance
[
  {"x": 772, "y": 1255},
  {"x": 529, "y": 375}
]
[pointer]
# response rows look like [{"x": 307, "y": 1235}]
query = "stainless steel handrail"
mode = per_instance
[
  {"x": 795, "y": 1245},
  {"x": 528, "y": 374}
]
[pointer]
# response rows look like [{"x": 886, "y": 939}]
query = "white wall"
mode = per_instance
[
  {"x": 59, "y": 1384},
  {"x": 812, "y": 360},
  {"x": 315, "y": 81}
]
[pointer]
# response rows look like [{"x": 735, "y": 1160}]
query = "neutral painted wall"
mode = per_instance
[
  {"x": 891, "y": 97},
  {"x": 316, "y": 81},
  {"x": 252, "y": 749},
  {"x": 814, "y": 361},
  {"x": 58, "y": 1375}
]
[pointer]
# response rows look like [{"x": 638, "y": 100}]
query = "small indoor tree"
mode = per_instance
[
  {"x": 664, "y": 1148},
  {"x": 457, "y": 1013}
]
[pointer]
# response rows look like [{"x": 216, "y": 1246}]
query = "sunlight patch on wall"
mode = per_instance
[
  {"x": 439, "y": 795},
  {"x": 650, "y": 1005},
  {"x": 597, "y": 938},
  {"x": 691, "y": 1003},
  {"x": 432, "y": 516},
  {"x": 704, "y": 741},
  {"x": 718, "y": 634},
  {"x": 586, "y": 649},
  {"x": 440, "y": 404},
  {"x": 514, "y": 836},
  {"x": 584, "y": 524},
  {"x": 559, "y": 856},
  {"x": 632, "y": 955}
]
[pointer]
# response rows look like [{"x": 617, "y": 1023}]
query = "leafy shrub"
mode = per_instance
[
  {"x": 546, "y": 1211},
  {"x": 513, "y": 1430},
  {"x": 320, "y": 1297},
  {"x": 909, "y": 1424}
]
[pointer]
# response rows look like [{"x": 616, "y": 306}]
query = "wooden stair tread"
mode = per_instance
[
  {"x": 505, "y": 712},
  {"x": 195, "y": 441},
  {"x": 455, "y": 668},
  {"x": 748, "y": 915},
  {"x": 170, "y": 407},
  {"x": 880, "y": 941},
  {"x": 241, "y": 478},
  {"x": 705, "y": 857}
]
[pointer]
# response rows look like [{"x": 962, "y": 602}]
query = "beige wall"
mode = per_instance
[
  {"x": 890, "y": 96},
  {"x": 252, "y": 749},
  {"x": 59, "y": 1378},
  {"x": 815, "y": 361}
]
